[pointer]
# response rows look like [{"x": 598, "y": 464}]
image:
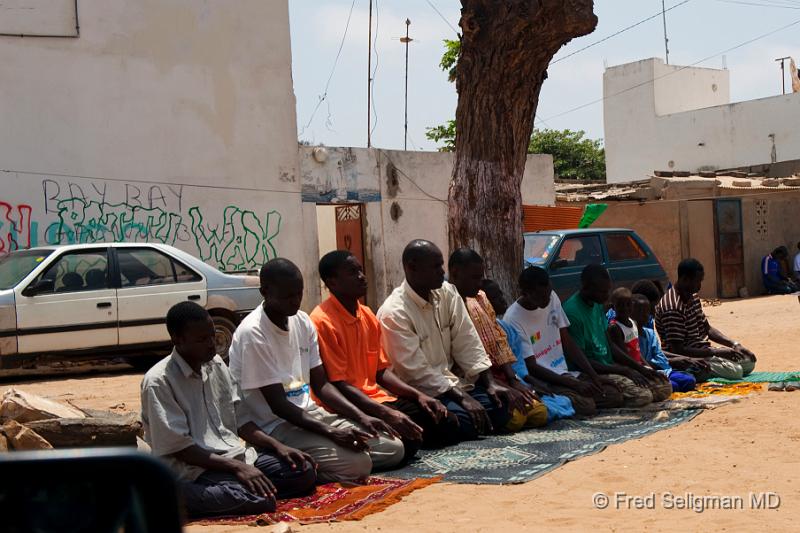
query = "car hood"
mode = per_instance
[{"x": 7, "y": 297}]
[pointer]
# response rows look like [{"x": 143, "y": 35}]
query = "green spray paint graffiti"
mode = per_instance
[{"x": 242, "y": 241}]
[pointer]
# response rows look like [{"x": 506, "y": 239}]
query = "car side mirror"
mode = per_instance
[
  {"x": 40, "y": 287},
  {"x": 559, "y": 263}
]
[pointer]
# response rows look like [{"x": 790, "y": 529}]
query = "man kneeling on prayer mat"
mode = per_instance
[
  {"x": 589, "y": 328},
  {"x": 274, "y": 356},
  {"x": 548, "y": 357},
  {"x": 466, "y": 270},
  {"x": 351, "y": 351},
  {"x": 194, "y": 420},
  {"x": 433, "y": 347}
]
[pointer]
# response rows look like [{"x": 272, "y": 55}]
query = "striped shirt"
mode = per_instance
[{"x": 682, "y": 322}]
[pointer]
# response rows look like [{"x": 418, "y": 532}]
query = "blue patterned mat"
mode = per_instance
[{"x": 521, "y": 457}]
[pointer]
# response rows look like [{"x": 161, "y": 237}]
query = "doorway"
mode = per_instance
[{"x": 340, "y": 227}]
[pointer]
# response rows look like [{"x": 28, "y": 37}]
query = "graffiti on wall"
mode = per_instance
[
  {"x": 239, "y": 240},
  {"x": 16, "y": 227}
]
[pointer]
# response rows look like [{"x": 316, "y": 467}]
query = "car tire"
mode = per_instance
[{"x": 223, "y": 335}]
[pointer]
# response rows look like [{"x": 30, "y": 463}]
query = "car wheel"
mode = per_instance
[{"x": 223, "y": 335}]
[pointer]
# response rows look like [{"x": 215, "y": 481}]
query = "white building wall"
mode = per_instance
[
  {"x": 405, "y": 194},
  {"x": 165, "y": 120},
  {"x": 660, "y": 117}
]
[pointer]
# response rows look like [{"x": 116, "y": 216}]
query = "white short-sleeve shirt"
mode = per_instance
[
  {"x": 541, "y": 333},
  {"x": 263, "y": 354}
]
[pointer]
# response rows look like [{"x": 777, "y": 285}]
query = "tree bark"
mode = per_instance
[{"x": 506, "y": 48}]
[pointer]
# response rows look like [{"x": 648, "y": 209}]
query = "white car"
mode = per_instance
[{"x": 109, "y": 299}]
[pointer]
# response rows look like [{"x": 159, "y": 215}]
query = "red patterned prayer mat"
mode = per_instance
[{"x": 332, "y": 502}]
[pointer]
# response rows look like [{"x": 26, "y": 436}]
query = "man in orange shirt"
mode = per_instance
[{"x": 351, "y": 351}]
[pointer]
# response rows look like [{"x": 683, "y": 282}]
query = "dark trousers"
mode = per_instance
[
  {"x": 222, "y": 494},
  {"x": 466, "y": 430},
  {"x": 434, "y": 435}
]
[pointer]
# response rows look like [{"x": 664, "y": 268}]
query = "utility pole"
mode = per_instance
[
  {"x": 666, "y": 40},
  {"x": 406, "y": 40},
  {"x": 369, "y": 80},
  {"x": 783, "y": 72}
]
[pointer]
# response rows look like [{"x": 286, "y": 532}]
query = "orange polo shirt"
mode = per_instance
[{"x": 350, "y": 347}]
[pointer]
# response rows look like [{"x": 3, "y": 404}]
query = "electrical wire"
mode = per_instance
[
  {"x": 740, "y": 3},
  {"x": 443, "y": 17},
  {"x": 324, "y": 95},
  {"x": 374, "y": 110},
  {"x": 741, "y": 45},
  {"x": 623, "y": 30}
]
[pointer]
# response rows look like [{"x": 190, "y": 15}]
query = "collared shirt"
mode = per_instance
[
  {"x": 588, "y": 327},
  {"x": 350, "y": 347},
  {"x": 494, "y": 339},
  {"x": 652, "y": 352},
  {"x": 682, "y": 322},
  {"x": 181, "y": 408},
  {"x": 263, "y": 354},
  {"x": 433, "y": 346}
]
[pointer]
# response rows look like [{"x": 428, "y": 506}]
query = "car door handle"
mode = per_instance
[
  {"x": 103, "y": 305},
  {"x": 194, "y": 297}
]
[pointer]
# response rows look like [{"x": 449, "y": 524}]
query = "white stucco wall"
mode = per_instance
[
  {"x": 401, "y": 205},
  {"x": 165, "y": 120},
  {"x": 683, "y": 121}
]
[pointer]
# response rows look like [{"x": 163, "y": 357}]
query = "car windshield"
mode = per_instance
[
  {"x": 16, "y": 265},
  {"x": 538, "y": 248}
]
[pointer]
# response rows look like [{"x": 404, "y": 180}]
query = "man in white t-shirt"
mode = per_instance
[
  {"x": 539, "y": 318},
  {"x": 275, "y": 359}
]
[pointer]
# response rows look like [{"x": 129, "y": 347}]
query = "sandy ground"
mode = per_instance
[{"x": 751, "y": 446}]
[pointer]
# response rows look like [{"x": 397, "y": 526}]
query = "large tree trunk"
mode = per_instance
[{"x": 505, "y": 50}]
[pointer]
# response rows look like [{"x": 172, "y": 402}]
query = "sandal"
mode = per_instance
[
  {"x": 791, "y": 386},
  {"x": 777, "y": 386}
]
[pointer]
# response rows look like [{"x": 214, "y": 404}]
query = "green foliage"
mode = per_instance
[
  {"x": 445, "y": 134},
  {"x": 574, "y": 156},
  {"x": 450, "y": 58}
]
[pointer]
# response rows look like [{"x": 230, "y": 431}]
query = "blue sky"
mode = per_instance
[{"x": 697, "y": 29}]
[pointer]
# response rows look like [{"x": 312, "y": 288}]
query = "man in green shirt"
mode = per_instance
[{"x": 588, "y": 328}]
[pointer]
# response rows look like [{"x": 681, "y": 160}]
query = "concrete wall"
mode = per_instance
[
  {"x": 769, "y": 221},
  {"x": 676, "y": 229},
  {"x": 165, "y": 120},
  {"x": 405, "y": 198},
  {"x": 666, "y": 117}
]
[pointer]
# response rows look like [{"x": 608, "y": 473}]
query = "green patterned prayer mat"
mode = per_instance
[
  {"x": 523, "y": 456},
  {"x": 762, "y": 377}
]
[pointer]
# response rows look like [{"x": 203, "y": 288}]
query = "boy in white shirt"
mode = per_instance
[{"x": 275, "y": 359}]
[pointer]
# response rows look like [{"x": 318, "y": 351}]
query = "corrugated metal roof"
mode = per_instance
[{"x": 539, "y": 218}]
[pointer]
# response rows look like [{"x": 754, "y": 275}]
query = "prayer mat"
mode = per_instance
[
  {"x": 719, "y": 389},
  {"x": 521, "y": 457},
  {"x": 762, "y": 377},
  {"x": 331, "y": 503}
]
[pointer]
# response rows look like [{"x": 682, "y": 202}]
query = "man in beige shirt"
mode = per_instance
[{"x": 434, "y": 347}]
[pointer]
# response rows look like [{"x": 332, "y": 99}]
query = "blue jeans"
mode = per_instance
[{"x": 466, "y": 429}]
